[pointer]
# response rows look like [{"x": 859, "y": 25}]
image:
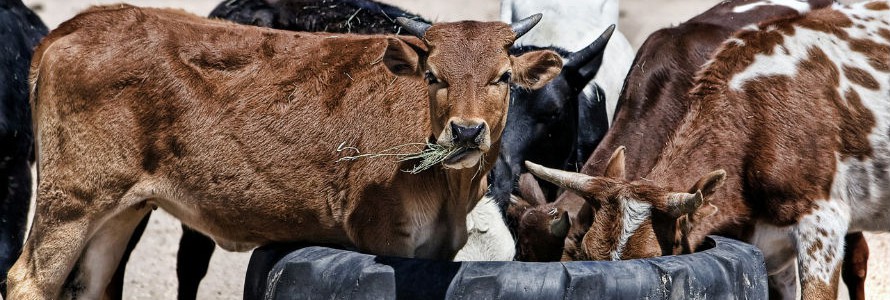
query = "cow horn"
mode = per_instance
[
  {"x": 567, "y": 180},
  {"x": 417, "y": 28},
  {"x": 580, "y": 58},
  {"x": 522, "y": 27},
  {"x": 679, "y": 204}
]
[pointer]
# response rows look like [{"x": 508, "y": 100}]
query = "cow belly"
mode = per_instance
[{"x": 239, "y": 224}]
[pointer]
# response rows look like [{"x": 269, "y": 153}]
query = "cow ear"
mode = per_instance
[
  {"x": 615, "y": 167},
  {"x": 559, "y": 227},
  {"x": 401, "y": 58},
  {"x": 708, "y": 184},
  {"x": 535, "y": 69}
]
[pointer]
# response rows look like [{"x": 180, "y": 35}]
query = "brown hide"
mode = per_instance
[
  {"x": 784, "y": 142},
  {"x": 235, "y": 129},
  {"x": 655, "y": 96}
]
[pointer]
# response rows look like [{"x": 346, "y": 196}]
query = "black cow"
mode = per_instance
[
  {"x": 20, "y": 31},
  {"x": 558, "y": 125},
  {"x": 339, "y": 16}
]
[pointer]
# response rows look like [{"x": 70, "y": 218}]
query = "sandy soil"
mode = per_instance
[{"x": 151, "y": 272}]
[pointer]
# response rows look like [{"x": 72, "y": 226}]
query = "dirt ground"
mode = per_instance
[{"x": 151, "y": 272}]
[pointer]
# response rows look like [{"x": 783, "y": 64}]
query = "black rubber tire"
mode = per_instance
[{"x": 728, "y": 269}]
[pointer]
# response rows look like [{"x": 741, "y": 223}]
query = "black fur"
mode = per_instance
[
  {"x": 557, "y": 126},
  {"x": 340, "y": 16},
  {"x": 20, "y": 31}
]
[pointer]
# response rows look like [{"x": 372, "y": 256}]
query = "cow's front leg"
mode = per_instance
[{"x": 819, "y": 238}]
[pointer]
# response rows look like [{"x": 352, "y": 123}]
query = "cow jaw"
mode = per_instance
[{"x": 464, "y": 158}]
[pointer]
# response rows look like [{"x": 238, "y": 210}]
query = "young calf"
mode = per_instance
[
  {"x": 234, "y": 130},
  {"x": 785, "y": 145}
]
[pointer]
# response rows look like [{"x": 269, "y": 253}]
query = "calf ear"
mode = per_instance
[
  {"x": 535, "y": 69},
  {"x": 615, "y": 167},
  {"x": 530, "y": 190},
  {"x": 401, "y": 58},
  {"x": 559, "y": 227},
  {"x": 708, "y": 184}
]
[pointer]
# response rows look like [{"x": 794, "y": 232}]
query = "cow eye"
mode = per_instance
[
  {"x": 505, "y": 78},
  {"x": 430, "y": 78}
]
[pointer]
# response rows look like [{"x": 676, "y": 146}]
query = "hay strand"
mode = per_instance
[{"x": 429, "y": 154}]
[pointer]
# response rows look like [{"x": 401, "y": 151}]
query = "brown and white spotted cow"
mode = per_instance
[
  {"x": 233, "y": 130},
  {"x": 786, "y": 145}
]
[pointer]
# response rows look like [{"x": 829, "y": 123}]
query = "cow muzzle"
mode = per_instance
[{"x": 470, "y": 139}]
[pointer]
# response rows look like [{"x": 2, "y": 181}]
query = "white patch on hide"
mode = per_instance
[{"x": 633, "y": 214}]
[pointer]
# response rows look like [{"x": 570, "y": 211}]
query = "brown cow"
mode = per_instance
[
  {"x": 233, "y": 130},
  {"x": 785, "y": 145},
  {"x": 655, "y": 99}
]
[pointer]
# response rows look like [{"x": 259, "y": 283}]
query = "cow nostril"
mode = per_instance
[{"x": 466, "y": 134}]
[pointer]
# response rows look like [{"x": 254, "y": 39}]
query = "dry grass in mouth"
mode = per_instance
[{"x": 429, "y": 154}]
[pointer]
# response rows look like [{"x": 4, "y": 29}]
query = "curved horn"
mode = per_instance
[
  {"x": 566, "y": 180},
  {"x": 416, "y": 28},
  {"x": 522, "y": 27},
  {"x": 590, "y": 55},
  {"x": 679, "y": 204}
]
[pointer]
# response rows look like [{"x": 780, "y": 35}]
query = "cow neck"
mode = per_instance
[{"x": 712, "y": 136}]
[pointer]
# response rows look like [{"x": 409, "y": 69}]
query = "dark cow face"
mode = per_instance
[
  {"x": 541, "y": 227},
  {"x": 545, "y": 125},
  {"x": 469, "y": 71},
  {"x": 633, "y": 219}
]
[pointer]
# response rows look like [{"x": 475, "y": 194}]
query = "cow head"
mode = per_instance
[
  {"x": 633, "y": 219},
  {"x": 541, "y": 227},
  {"x": 545, "y": 125},
  {"x": 469, "y": 71}
]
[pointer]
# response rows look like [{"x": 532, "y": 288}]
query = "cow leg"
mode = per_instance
[
  {"x": 115, "y": 289},
  {"x": 783, "y": 283},
  {"x": 192, "y": 260},
  {"x": 855, "y": 266},
  {"x": 16, "y": 200},
  {"x": 819, "y": 239},
  {"x": 779, "y": 255},
  {"x": 60, "y": 231},
  {"x": 102, "y": 255}
]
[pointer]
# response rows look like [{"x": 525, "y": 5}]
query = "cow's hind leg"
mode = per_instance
[
  {"x": 60, "y": 231},
  {"x": 115, "y": 289},
  {"x": 819, "y": 238},
  {"x": 78, "y": 222},
  {"x": 101, "y": 256}
]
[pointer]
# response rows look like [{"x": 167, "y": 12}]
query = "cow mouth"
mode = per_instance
[{"x": 463, "y": 158}]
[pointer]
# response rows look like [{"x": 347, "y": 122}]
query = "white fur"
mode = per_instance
[
  {"x": 572, "y": 25},
  {"x": 489, "y": 238},
  {"x": 799, "y": 6},
  {"x": 633, "y": 214}
]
